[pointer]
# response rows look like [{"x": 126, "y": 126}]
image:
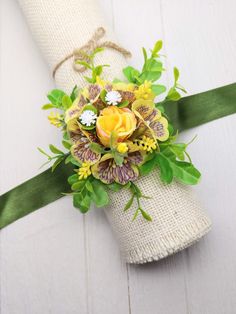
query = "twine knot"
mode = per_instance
[{"x": 81, "y": 54}]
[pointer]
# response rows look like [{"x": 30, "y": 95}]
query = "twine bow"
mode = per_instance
[{"x": 80, "y": 54}]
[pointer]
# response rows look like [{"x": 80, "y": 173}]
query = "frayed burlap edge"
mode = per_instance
[{"x": 169, "y": 244}]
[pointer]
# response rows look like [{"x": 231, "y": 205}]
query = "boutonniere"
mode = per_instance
[{"x": 115, "y": 132}]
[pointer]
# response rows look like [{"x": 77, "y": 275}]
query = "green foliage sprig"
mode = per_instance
[
  {"x": 152, "y": 71},
  {"x": 90, "y": 65},
  {"x": 88, "y": 192}
]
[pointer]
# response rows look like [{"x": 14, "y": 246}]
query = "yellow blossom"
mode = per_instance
[
  {"x": 122, "y": 148},
  {"x": 54, "y": 119},
  {"x": 126, "y": 87},
  {"x": 144, "y": 91},
  {"x": 84, "y": 171},
  {"x": 101, "y": 82},
  {"x": 120, "y": 121},
  {"x": 146, "y": 143}
]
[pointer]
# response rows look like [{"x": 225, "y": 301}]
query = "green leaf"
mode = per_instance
[
  {"x": 84, "y": 64},
  {"x": 157, "y": 48},
  {"x": 131, "y": 73},
  {"x": 48, "y": 106},
  {"x": 181, "y": 88},
  {"x": 173, "y": 94},
  {"x": 99, "y": 194},
  {"x": 119, "y": 159},
  {"x": 158, "y": 89},
  {"x": 165, "y": 168},
  {"x": 186, "y": 173},
  {"x": 43, "y": 152},
  {"x": 81, "y": 202},
  {"x": 66, "y": 136},
  {"x": 150, "y": 76},
  {"x": 66, "y": 144},
  {"x": 97, "y": 50},
  {"x": 123, "y": 104},
  {"x": 68, "y": 159},
  {"x": 144, "y": 54},
  {"x": 89, "y": 186},
  {"x": 171, "y": 131},
  {"x": 183, "y": 171},
  {"x": 176, "y": 74},
  {"x": 55, "y": 96},
  {"x": 74, "y": 162},
  {"x": 72, "y": 179},
  {"x": 96, "y": 148},
  {"x": 135, "y": 190},
  {"x": 113, "y": 139},
  {"x": 129, "y": 203},
  {"x": 178, "y": 150},
  {"x": 88, "y": 79},
  {"x": 153, "y": 65},
  {"x": 55, "y": 150},
  {"x": 160, "y": 107},
  {"x": 74, "y": 93},
  {"x": 103, "y": 95},
  {"x": 145, "y": 215},
  {"x": 57, "y": 162},
  {"x": 148, "y": 166},
  {"x": 98, "y": 70},
  {"x": 115, "y": 186},
  {"x": 78, "y": 185},
  {"x": 127, "y": 185},
  {"x": 135, "y": 214},
  {"x": 66, "y": 102}
]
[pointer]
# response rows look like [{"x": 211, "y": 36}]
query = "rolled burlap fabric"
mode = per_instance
[{"x": 59, "y": 27}]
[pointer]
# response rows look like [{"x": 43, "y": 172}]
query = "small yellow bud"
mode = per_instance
[
  {"x": 55, "y": 119},
  {"x": 144, "y": 91},
  {"x": 122, "y": 148},
  {"x": 84, "y": 171}
]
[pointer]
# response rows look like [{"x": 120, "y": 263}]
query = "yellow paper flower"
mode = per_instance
[
  {"x": 144, "y": 91},
  {"x": 54, "y": 119},
  {"x": 122, "y": 148},
  {"x": 146, "y": 143},
  {"x": 152, "y": 124},
  {"x": 108, "y": 171},
  {"x": 120, "y": 121},
  {"x": 84, "y": 171}
]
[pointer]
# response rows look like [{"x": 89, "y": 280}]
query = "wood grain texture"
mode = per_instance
[{"x": 57, "y": 261}]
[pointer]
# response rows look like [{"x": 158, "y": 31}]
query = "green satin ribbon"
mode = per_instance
[
  {"x": 35, "y": 193},
  {"x": 48, "y": 186},
  {"x": 198, "y": 109}
]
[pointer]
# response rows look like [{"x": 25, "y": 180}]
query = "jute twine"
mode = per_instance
[{"x": 81, "y": 54}]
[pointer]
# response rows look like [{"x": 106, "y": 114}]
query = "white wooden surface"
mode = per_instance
[{"x": 57, "y": 261}]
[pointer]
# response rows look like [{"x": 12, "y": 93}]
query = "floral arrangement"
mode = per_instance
[{"x": 115, "y": 132}]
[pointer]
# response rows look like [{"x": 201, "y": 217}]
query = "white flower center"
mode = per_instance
[
  {"x": 88, "y": 118},
  {"x": 113, "y": 98}
]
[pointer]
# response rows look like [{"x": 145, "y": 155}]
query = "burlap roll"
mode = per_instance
[{"x": 60, "y": 26}]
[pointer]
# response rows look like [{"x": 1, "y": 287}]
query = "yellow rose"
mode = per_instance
[{"x": 121, "y": 121}]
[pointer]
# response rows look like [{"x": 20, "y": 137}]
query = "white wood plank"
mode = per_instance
[
  {"x": 204, "y": 47},
  {"x": 42, "y": 256}
]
